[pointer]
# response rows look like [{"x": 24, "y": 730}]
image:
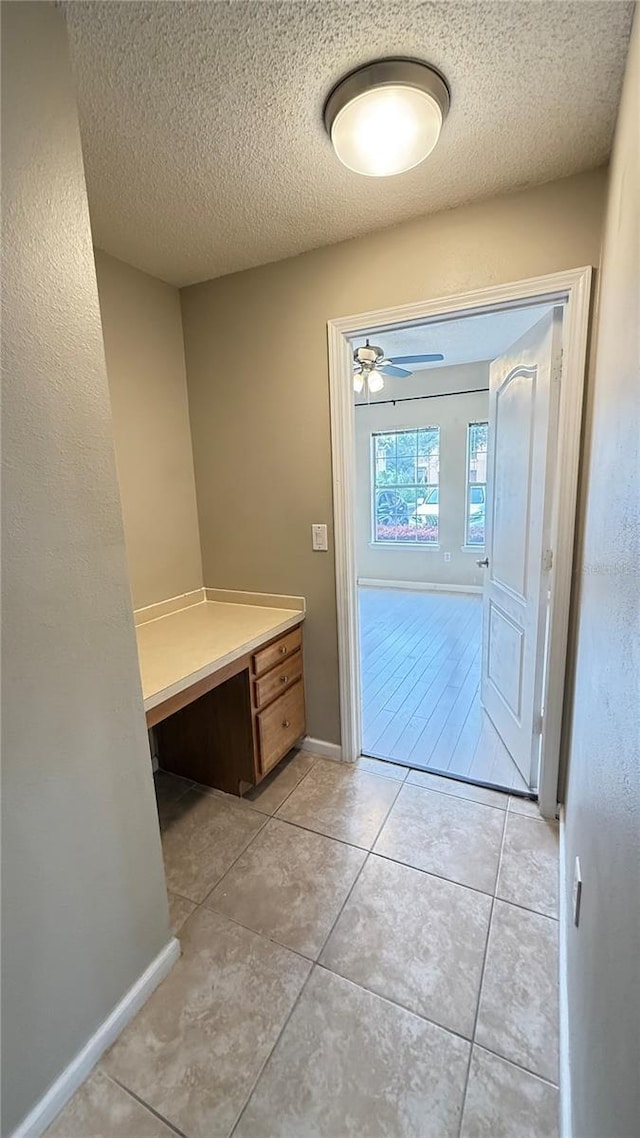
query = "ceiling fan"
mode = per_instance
[{"x": 370, "y": 364}]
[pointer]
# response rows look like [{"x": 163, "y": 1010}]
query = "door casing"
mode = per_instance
[{"x": 572, "y": 289}]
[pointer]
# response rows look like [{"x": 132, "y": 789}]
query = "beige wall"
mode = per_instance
[
  {"x": 452, "y": 414},
  {"x": 256, "y": 350},
  {"x": 603, "y": 790},
  {"x": 84, "y": 902},
  {"x": 142, "y": 330}
]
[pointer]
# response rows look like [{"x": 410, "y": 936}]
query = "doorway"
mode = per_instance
[{"x": 461, "y": 676}]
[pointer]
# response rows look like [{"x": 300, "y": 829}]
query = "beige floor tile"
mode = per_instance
[
  {"x": 342, "y": 802},
  {"x": 524, "y": 806},
  {"x": 351, "y": 1065},
  {"x": 518, "y": 1015},
  {"x": 416, "y": 939},
  {"x": 504, "y": 1101},
  {"x": 179, "y": 909},
  {"x": 276, "y": 787},
  {"x": 448, "y": 836},
  {"x": 289, "y": 885},
  {"x": 101, "y": 1109},
  {"x": 381, "y": 767},
  {"x": 169, "y": 788},
  {"x": 529, "y": 865},
  {"x": 201, "y": 838},
  {"x": 196, "y": 1048},
  {"x": 459, "y": 789}
]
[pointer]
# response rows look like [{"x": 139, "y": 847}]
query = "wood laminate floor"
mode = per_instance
[{"x": 420, "y": 666}]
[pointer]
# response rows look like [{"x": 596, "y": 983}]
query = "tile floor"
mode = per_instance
[{"x": 367, "y": 952}]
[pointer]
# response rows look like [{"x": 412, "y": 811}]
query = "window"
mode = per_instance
[
  {"x": 477, "y": 434},
  {"x": 405, "y": 486}
]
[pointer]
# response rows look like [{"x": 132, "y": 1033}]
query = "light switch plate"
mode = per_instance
[{"x": 319, "y": 537}]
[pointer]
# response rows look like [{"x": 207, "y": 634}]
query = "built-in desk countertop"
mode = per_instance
[{"x": 189, "y": 646}]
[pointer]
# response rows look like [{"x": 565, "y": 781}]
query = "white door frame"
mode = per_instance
[{"x": 572, "y": 288}]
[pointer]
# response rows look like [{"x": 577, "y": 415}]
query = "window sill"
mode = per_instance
[
  {"x": 422, "y": 547},
  {"x": 472, "y": 548}
]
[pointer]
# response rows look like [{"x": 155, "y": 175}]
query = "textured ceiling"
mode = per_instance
[
  {"x": 202, "y": 122},
  {"x": 468, "y": 340}
]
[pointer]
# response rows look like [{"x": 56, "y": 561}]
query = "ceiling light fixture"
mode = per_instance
[
  {"x": 386, "y": 117},
  {"x": 375, "y": 382}
]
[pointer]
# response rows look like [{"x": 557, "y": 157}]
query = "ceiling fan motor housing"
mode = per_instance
[{"x": 369, "y": 355}]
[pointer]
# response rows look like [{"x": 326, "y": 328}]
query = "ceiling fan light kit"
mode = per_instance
[
  {"x": 370, "y": 364},
  {"x": 385, "y": 118}
]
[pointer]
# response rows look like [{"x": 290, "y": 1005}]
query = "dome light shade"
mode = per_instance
[
  {"x": 375, "y": 381},
  {"x": 386, "y": 117}
]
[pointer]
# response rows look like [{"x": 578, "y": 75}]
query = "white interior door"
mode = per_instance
[{"x": 523, "y": 398}]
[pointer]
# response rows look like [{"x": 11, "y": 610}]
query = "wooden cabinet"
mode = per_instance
[{"x": 232, "y": 735}]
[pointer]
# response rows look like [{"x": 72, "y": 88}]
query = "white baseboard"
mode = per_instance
[
  {"x": 564, "y": 1074},
  {"x": 418, "y": 586},
  {"x": 50, "y": 1105},
  {"x": 321, "y": 747}
]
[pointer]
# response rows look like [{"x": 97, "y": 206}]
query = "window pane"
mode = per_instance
[
  {"x": 406, "y": 469},
  {"x": 406, "y": 472},
  {"x": 476, "y": 483},
  {"x": 427, "y": 515}
]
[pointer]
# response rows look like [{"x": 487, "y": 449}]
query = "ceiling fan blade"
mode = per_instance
[
  {"x": 430, "y": 357},
  {"x": 389, "y": 369}
]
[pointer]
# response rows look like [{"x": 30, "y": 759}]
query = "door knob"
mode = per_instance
[{"x": 483, "y": 564}]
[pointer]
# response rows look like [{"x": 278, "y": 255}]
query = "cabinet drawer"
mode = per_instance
[
  {"x": 278, "y": 679},
  {"x": 271, "y": 655},
  {"x": 280, "y": 726}
]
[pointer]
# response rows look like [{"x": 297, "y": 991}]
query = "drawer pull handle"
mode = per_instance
[
  {"x": 284, "y": 679},
  {"x": 286, "y": 723},
  {"x": 283, "y": 650}
]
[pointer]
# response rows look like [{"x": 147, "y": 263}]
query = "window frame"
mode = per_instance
[
  {"x": 472, "y": 546},
  {"x": 375, "y": 542}
]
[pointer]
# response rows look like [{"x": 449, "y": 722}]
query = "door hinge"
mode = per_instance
[
  {"x": 547, "y": 560},
  {"x": 537, "y": 723},
  {"x": 557, "y": 371}
]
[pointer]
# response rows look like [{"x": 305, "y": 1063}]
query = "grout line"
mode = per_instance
[
  {"x": 482, "y": 972},
  {"x": 396, "y": 1003},
  {"x": 514, "y": 1063},
  {"x": 316, "y": 759},
  {"x": 386, "y": 817},
  {"x": 434, "y": 1023},
  {"x": 457, "y": 797},
  {"x": 320, "y": 833},
  {"x": 236, "y": 859},
  {"x": 263, "y": 936},
  {"x": 268, "y": 1057},
  {"x": 432, "y": 873},
  {"x": 343, "y": 906},
  {"x": 143, "y": 1102}
]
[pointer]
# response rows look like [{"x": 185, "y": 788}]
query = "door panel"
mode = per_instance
[
  {"x": 523, "y": 393},
  {"x": 512, "y": 476},
  {"x": 505, "y": 649}
]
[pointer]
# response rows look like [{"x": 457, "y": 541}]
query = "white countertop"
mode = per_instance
[{"x": 177, "y": 650}]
